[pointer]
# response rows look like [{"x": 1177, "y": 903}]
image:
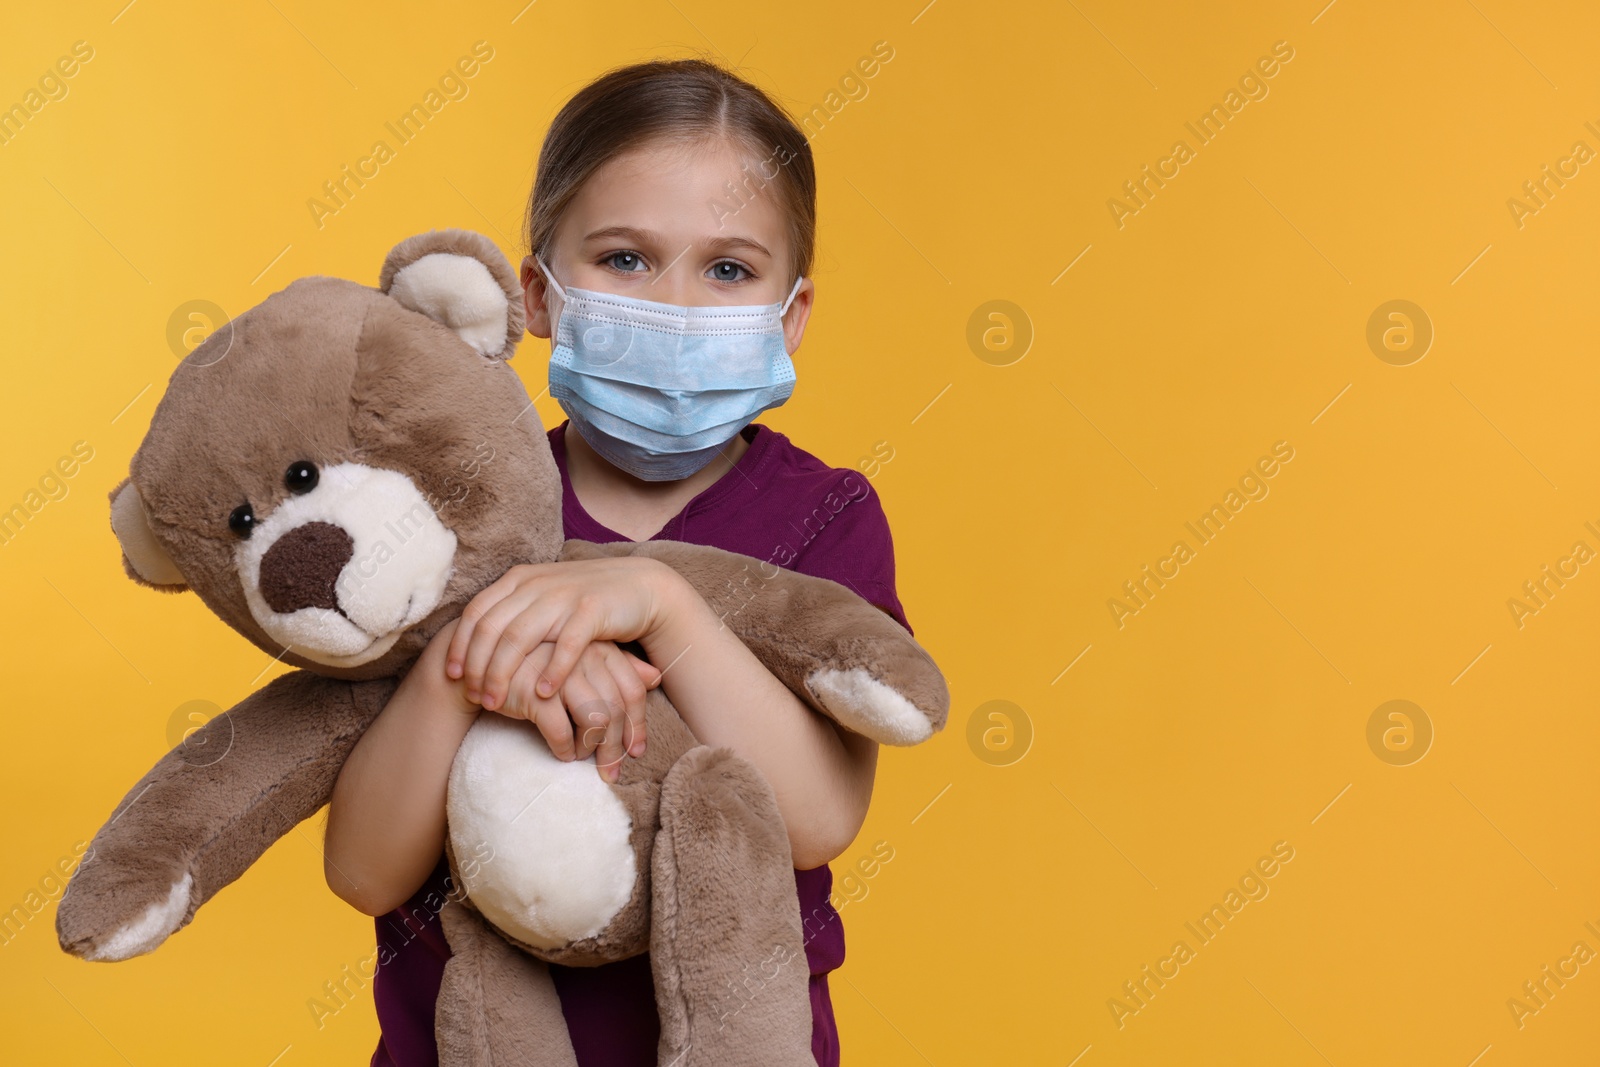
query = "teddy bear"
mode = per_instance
[{"x": 335, "y": 473}]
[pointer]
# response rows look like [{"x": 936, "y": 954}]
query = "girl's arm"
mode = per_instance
[
  {"x": 386, "y": 822},
  {"x": 820, "y": 773}
]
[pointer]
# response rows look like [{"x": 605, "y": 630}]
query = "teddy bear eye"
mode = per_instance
[
  {"x": 241, "y": 520},
  {"x": 301, "y": 477}
]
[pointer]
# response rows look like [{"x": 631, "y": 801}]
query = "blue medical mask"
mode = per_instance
[{"x": 658, "y": 389}]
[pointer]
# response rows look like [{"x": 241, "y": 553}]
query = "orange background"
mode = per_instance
[{"x": 1039, "y": 460}]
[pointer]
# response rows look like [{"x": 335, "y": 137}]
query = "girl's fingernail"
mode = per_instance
[
  {"x": 452, "y": 669},
  {"x": 546, "y": 690}
]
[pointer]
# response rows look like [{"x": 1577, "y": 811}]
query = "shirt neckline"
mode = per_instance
[{"x": 742, "y": 474}]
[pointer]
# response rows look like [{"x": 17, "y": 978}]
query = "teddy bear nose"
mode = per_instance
[{"x": 301, "y": 568}]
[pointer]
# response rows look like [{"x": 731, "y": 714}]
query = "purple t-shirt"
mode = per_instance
[{"x": 780, "y": 504}]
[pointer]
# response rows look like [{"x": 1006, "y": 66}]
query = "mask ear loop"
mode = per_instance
[
  {"x": 562, "y": 293},
  {"x": 785, "y": 308}
]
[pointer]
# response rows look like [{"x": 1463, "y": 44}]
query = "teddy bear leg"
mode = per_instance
[
  {"x": 726, "y": 945},
  {"x": 497, "y": 1006}
]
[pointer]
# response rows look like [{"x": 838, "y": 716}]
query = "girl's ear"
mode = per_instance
[
  {"x": 535, "y": 298},
  {"x": 462, "y": 280},
  {"x": 799, "y": 313}
]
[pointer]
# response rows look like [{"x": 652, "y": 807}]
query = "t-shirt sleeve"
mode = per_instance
[{"x": 849, "y": 542}]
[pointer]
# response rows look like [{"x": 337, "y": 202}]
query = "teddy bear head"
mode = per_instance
[{"x": 338, "y": 470}]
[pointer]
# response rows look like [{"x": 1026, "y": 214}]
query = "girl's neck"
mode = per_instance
[{"x": 634, "y": 507}]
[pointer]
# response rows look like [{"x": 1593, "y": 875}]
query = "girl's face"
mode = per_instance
[{"x": 660, "y": 223}]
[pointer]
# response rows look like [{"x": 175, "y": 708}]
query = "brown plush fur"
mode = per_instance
[
  {"x": 496, "y": 1005},
  {"x": 730, "y": 982},
  {"x": 331, "y": 371}
]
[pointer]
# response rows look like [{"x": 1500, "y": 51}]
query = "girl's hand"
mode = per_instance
[
  {"x": 603, "y": 700},
  {"x": 572, "y": 603}
]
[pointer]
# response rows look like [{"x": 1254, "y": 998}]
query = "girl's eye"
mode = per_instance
[
  {"x": 729, "y": 271},
  {"x": 626, "y": 262}
]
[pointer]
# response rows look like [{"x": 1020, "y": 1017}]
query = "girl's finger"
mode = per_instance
[
  {"x": 586, "y": 711},
  {"x": 477, "y": 607},
  {"x": 522, "y": 633},
  {"x": 608, "y": 757},
  {"x": 549, "y": 716},
  {"x": 572, "y": 635},
  {"x": 556, "y": 727},
  {"x": 631, "y": 689},
  {"x": 486, "y": 638},
  {"x": 522, "y": 700},
  {"x": 595, "y": 667},
  {"x": 646, "y": 671},
  {"x": 475, "y": 632}
]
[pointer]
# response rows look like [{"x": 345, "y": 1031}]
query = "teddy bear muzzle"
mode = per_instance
[{"x": 339, "y": 571}]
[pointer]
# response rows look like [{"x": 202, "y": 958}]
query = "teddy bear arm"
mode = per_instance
[
  {"x": 207, "y": 810},
  {"x": 834, "y": 650}
]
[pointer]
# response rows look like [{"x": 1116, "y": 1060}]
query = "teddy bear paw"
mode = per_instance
[
  {"x": 861, "y": 703},
  {"x": 143, "y": 932}
]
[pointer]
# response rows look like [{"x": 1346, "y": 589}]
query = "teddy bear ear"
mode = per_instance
[
  {"x": 142, "y": 555},
  {"x": 460, "y": 279}
]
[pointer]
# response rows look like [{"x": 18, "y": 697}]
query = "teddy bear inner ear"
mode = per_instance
[
  {"x": 142, "y": 555},
  {"x": 459, "y": 279}
]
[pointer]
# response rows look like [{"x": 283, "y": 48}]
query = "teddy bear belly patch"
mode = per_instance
[{"x": 561, "y": 858}]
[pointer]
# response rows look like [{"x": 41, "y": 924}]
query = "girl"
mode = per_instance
[{"x": 676, "y": 195}]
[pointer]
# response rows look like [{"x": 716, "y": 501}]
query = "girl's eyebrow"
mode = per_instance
[
  {"x": 634, "y": 233},
  {"x": 737, "y": 241}
]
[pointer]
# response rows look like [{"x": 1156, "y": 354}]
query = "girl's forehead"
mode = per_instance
[{"x": 684, "y": 193}]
